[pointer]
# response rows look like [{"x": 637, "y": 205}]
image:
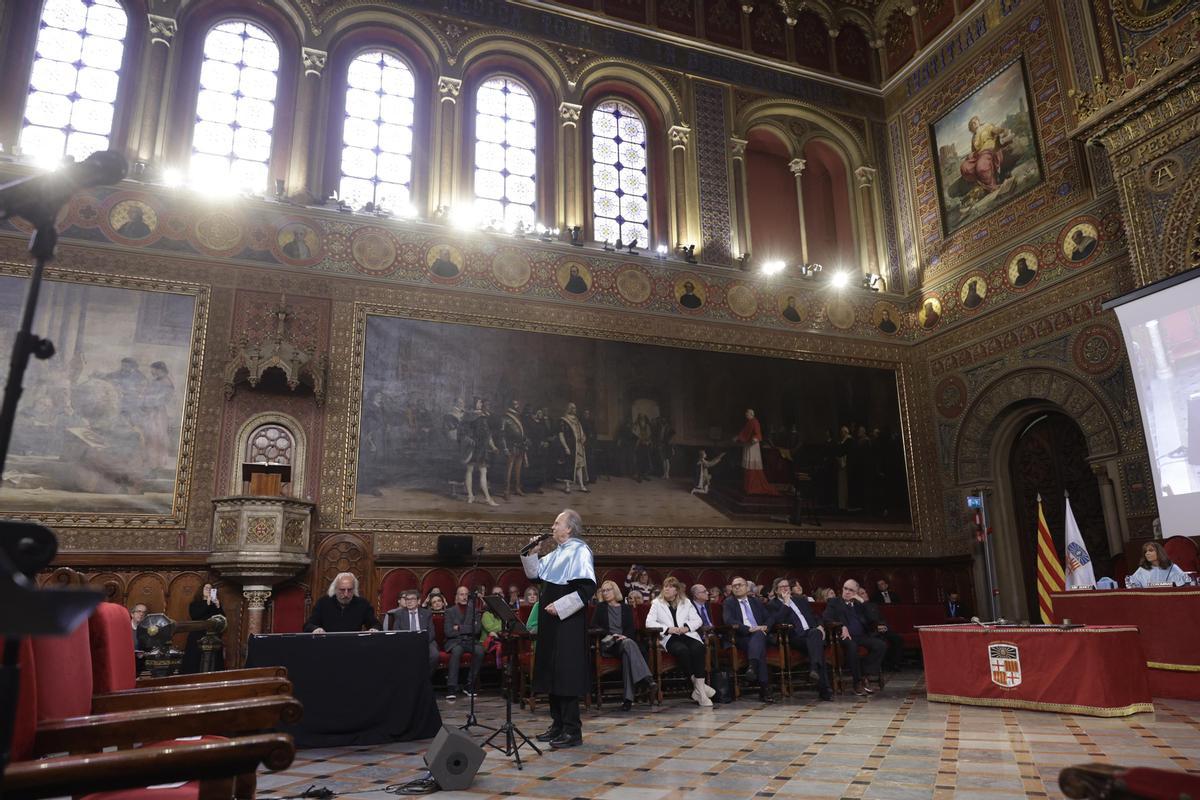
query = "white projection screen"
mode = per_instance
[{"x": 1161, "y": 323}]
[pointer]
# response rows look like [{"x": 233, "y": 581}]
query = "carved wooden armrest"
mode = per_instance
[
  {"x": 206, "y": 761},
  {"x": 127, "y": 728},
  {"x": 133, "y": 699},
  {"x": 214, "y": 677}
]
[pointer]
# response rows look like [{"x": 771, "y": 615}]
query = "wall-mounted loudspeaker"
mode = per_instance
[
  {"x": 453, "y": 548},
  {"x": 799, "y": 551},
  {"x": 453, "y": 758}
]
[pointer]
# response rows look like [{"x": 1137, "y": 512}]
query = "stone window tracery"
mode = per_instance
[
  {"x": 377, "y": 141},
  {"x": 270, "y": 444},
  {"x": 620, "y": 177},
  {"x": 505, "y": 154}
]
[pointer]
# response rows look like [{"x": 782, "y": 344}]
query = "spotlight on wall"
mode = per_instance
[
  {"x": 871, "y": 282},
  {"x": 172, "y": 177},
  {"x": 660, "y": 252},
  {"x": 773, "y": 267},
  {"x": 809, "y": 270},
  {"x": 839, "y": 280},
  {"x": 464, "y": 217}
]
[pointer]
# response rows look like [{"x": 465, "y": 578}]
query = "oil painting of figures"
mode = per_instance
[
  {"x": 985, "y": 149},
  {"x": 98, "y": 426},
  {"x": 477, "y": 423}
]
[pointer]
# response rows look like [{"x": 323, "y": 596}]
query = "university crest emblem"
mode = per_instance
[{"x": 1005, "y": 662}]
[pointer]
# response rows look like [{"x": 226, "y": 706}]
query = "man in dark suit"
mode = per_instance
[
  {"x": 846, "y": 612},
  {"x": 700, "y": 598},
  {"x": 955, "y": 608},
  {"x": 409, "y": 616},
  {"x": 462, "y": 636},
  {"x": 750, "y": 622},
  {"x": 807, "y": 634},
  {"x": 879, "y": 628},
  {"x": 883, "y": 594}
]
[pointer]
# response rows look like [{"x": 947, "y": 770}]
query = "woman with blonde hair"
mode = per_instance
[
  {"x": 676, "y": 617},
  {"x": 615, "y": 621}
]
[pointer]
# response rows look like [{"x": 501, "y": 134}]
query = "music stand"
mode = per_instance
[{"x": 513, "y": 629}]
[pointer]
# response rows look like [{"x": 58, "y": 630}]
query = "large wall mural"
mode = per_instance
[
  {"x": 479, "y": 423},
  {"x": 100, "y": 425}
]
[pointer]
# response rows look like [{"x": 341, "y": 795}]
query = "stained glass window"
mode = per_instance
[
  {"x": 620, "y": 182},
  {"x": 235, "y": 108},
  {"x": 377, "y": 142},
  {"x": 505, "y": 154},
  {"x": 73, "y": 85}
]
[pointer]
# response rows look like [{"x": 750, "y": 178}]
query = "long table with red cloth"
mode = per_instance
[
  {"x": 1167, "y": 619},
  {"x": 1094, "y": 670}
]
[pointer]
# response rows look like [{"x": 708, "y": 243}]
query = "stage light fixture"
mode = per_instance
[
  {"x": 172, "y": 177},
  {"x": 773, "y": 267},
  {"x": 839, "y": 280},
  {"x": 661, "y": 252}
]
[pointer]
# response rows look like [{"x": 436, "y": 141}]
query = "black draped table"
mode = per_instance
[{"x": 357, "y": 688}]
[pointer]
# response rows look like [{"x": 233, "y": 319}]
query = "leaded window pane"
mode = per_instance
[
  {"x": 488, "y": 154},
  {"x": 489, "y": 211},
  {"x": 258, "y": 83},
  {"x": 378, "y": 135},
  {"x": 518, "y": 189},
  {"x": 519, "y": 161},
  {"x": 505, "y": 153},
  {"x": 74, "y": 77},
  {"x": 620, "y": 181},
  {"x": 489, "y": 184}
]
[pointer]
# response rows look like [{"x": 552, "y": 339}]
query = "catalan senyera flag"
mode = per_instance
[{"x": 1050, "y": 570}]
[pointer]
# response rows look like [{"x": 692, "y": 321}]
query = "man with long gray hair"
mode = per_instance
[{"x": 342, "y": 609}]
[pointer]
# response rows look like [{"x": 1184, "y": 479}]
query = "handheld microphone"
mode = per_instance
[
  {"x": 529, "y": 548},
  {"x": 40, "y": 196}
]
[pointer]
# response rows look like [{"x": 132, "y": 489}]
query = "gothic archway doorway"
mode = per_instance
[{"x": 1050, "y": 456}]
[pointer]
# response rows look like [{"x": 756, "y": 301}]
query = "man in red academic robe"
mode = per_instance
[{"x": 754, "y": 480}]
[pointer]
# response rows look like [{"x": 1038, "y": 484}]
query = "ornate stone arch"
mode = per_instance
[
  {"x": 776, "y": 127},
  {"x": 647, "y": 81},
  {"x": 885, "y": 9},
  {"x": 977, "y": 439},
  {"x": 1181, "y": 235},
  {"x": 492, "y": 43},
  {"x": 252, "y": 424},
  {"x": 411, "y": 26},
  {"x": 859, "y": 19},
  {"x": 823, "y": 10},
  {"x": 752, "y": 113}
]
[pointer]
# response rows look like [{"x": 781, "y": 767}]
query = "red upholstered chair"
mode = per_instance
[
  {"x": 54, "y": 716},
  {"x": 441, "y": 579},
  {"x": 289, "y": 609},
  {"x": 393, "y": 583},
  {"x": 1182, "y": 551},
  {"x": 1111, "y": 782}
]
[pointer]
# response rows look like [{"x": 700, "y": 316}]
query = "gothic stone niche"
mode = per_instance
[{"x": 251, "y": 361}]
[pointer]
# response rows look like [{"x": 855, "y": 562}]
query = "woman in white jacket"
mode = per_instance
[{"x": 675, "y": 615}]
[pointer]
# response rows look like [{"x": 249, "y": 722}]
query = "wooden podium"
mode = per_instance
[{"x": 265, "y": 480}]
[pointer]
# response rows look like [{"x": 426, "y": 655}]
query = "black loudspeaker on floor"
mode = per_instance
[{"x": 453, "y": 759}]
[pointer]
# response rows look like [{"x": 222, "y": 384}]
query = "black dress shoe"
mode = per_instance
[
  {"x": 765, "y": 696},
  {"x": 549, "y": 735},
  {"x": 565, "y": 741},
  {"x": 626, "y": 705},
  {"x": 813, "y": 676},
  {"x": 826, "y": 695}
]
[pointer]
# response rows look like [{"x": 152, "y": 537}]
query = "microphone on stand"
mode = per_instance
[
  {"x": 40, "y": 195},
  {"x": 529, "y": 548}
]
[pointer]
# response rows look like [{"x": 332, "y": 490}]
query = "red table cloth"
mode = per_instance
[
  {"x": 1098, "y": 671},
  {"x": 1167, "y": 619}
]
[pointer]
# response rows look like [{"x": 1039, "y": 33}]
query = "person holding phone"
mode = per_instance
[{"x": 204, "y": 605}]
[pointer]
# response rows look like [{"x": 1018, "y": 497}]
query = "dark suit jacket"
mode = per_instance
[
  {"x": 781, "y": 613},
  {"x": 839, "y": 611},
  {"x": 962, "y": 612},
  {"x": 397, "y": 620},
  {"x": 873, "y": 614},
  {"x": 731, "y": 612},
  {"x": 600, "y": 620},
  {"x": 877, "y": 597},
  {"x": 468, "y": 628}
]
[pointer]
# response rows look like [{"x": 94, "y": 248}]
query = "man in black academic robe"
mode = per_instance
[
  {"x": 560, "y": 667},
  {"x": 342, "y": 609}
]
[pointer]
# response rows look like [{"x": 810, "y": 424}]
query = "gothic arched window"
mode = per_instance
[
  {"x": 235, "y": 108},
  {"x": 270, "y": 444},
  {"x": 73, "y": 84},
  {"x": 505, "y": 153},
  {"x": 377, "y": 139},
  {"x": 620, "y": 179}
]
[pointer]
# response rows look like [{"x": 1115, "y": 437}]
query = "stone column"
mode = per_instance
[
  {"x": 796, "y": 165},
  {"x": 865, "y": 177},
  {"x": 741, "y": 197},
  {"x": 571, "y": 189},
  {"x": 306, "y": 173},
  {"x": 147, "y": 140},
  {"x": 679, "y": 137},
  {"x": 1112, "y": 516},
  {"x": 446, "y": 153},
  {"x": 256, "y": 602},
  {"x": 833, "y": 62}
]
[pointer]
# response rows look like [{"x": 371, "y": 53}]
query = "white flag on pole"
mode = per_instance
[{"x": 1078, "y": 563}]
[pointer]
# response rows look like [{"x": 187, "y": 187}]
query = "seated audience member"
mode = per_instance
[
  {"x": 876, "y": 622},
  {"x": 807, "y": 634},
  {"x": 883, "y": 594},
  {"x": 639, "y": 579},
  {"x": 635, "y": 598},
  {"x": 727, "y": 591},
  {"x": 1156, "y": 568},
  {"x": 428, "y": 601},
  {"x": 827, "y": 595},
  {"x": 676, "y": 617},
  {"x": 491, "y": 626},
  {"x": 797, "y": 590},
  {"x": 437, "y": 603},
  {"x": 514, "y": 597},
  {"x": 955, "y": 608},
  {"x": 750, "y": 621},
  {"x": 341, "y": 609},
  {"x": 136, "y": 615},
  {"x": 714, "y": 594},
  {"x": 700, "y": 596},
  {"x": 530, "y": 597},
  {"x": 462, "y": 626},
  {"x": 409, "y": 616},
  {"x": 619, "y": 640},
  {"x": 846, "y": 611}
]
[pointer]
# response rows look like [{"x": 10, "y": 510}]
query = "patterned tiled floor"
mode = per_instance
[{"x": 894, "y": 745}]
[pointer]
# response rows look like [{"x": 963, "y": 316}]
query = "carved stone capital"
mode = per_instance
[
  {"x": 314, "y": 61},
  {"x": 448, "y": 88},
  {"x": 796, "y": 165},
  {"x": 865, "y": 176},
  {"x": 162, "y": 29},
  {"x": 833, "y": 32},
  {"x": 568, "y": 113},
  {"x": 256, "y": 598},
  {"x": 911, "y": 11},
  {"x": 737, "y": 147},
  {"x": 679, "y": 135},
  {"x": 747, "y": 8}
]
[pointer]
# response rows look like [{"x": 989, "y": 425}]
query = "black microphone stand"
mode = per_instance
[
  {"x": 472, "y": 721},
  {"x": 514, "y": 737}
]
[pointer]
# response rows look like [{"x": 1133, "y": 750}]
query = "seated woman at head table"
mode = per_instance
[{"x": 1156, "y": 569}]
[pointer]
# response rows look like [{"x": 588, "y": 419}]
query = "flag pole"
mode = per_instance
[{"x": 989, "y": 561}]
